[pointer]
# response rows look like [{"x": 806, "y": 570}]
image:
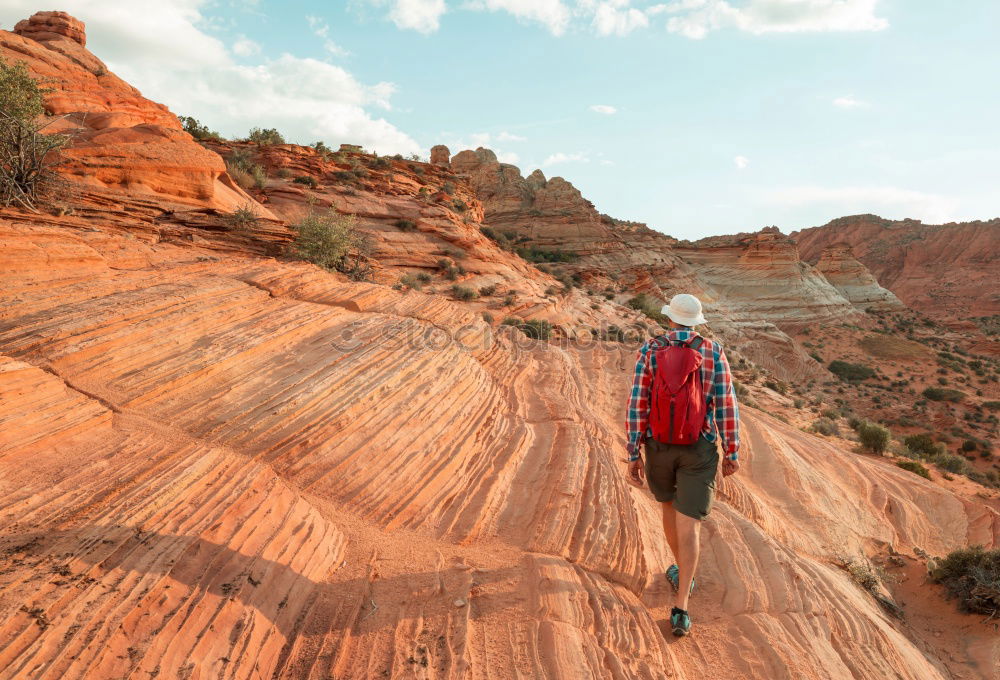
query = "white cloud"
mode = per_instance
[
  {"x": 488, "y": 141},
  {"x": 741, "y": 162},
  {"x": 510, "y": 137},
  {"x": 560, "y": 157},
  {"x": 553, "y": 14},
  {"x": 508, "y": 157},
  {"x": 423, "y": 16},
  {"x": 849, "y": 102},
  {"x": 696, "y": 18},
  {"x": 887, "y": 201},
  {"x": 607, "y": 162},
  {"x": 322, "y": 30},
  {"x": 245, "y": 47},
  {"x": 616, "y": 18},
  {"x": 161, "y": 49},
  {"x": 605, "y": 109}
]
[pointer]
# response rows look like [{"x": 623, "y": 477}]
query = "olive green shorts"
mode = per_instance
[{"x": 683, "y": 474}]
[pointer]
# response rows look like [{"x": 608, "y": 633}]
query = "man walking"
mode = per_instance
[{"x": 682, "y": 394}]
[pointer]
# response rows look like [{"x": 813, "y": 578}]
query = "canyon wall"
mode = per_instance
[{"x": 948, "y": 271}]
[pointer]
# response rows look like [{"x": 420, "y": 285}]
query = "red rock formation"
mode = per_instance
[
  {"x": 440, "y": 155},
  {"x": 122, "y": 141},
  {"x": 853, "y": 280},
  {"x": 948, "y": 271}
]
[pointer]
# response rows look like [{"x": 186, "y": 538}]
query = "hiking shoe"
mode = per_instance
[
  {"x": 680, "y": 622},
  {"x": 674, "y": 575}
]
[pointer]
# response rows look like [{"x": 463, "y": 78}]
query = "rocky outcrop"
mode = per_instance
[
  {"x": 853, "y": 280},
  {"x": 121, "y": 142},
  {"x": 440, "y": 155},
  {"x": 947, "y": 270},
  {"x": 45, "y": 26}
]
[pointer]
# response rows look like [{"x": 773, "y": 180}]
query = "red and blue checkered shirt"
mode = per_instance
[{"x": 722, "y": 413}]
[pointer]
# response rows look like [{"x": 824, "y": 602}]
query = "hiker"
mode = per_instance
[{"x": 682, "y": 393}]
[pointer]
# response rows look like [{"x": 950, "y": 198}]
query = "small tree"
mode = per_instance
[
  {"x": 26, "y": 153},
  {"x": 196, "y": 129},
  {"x": 265, "y": 136},
  {"x": 873, "y": 437},
  {"x": 332, "y": 241}
]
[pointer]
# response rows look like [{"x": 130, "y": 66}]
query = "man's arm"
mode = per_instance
[
  {"x": 638, "y": 404},
  {"x": 727, "y": 412}
]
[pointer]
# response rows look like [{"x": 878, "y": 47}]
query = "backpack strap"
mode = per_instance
[{"x": 696, "y": 342}]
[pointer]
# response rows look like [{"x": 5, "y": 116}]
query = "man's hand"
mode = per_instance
[
  {"x": 636, "y": 473},
  {"x": 730, "y": 467}
]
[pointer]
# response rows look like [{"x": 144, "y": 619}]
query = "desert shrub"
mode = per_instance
[
  {"x": 647, "y": 306},
  {"x": 194, "y": 127},
  {"x": 424, "y": 277},
  {"x": 463, "y": 293},
  {"x": 410, "y": 281},
  {"x": 778, "y": 387},
  {"x": 534, "y": 254},
  {"x": 825, "y": 426},
  {"x": 831, "y": 413},
  {"x": 969, "y": 445},
  {"x": 972, "y": 575},
  {"x": 244, "y": 171},
  {"x": 922, "y": 444},
  {"x": 488, "y": 318},
  {"x": 344, "y": 175},
  {"x": 406, "y": 225},
  {"x": 487, "y": 291},
  {"x": 850, "y": 372},
  {"x": 265, "y": 136},
  {"x": 381, "y": 163},
  {"x": 244, "y": 218},
  {"x": 321, "y": 148},
  {"x": 26, "y": 153},
  {"x": 943, "y": 394},
  {"x": 283, "y": 173},
  {"x": 798, "y": 403},
  {"x": 951, "y": 463},
  {"x": 509, "y": 300},
  {"x": 914, "y": 467},
  {"x": 873, "y": 437},
  {"x": 537, "y": 328},
  {"x": 328, "y": 239},
  {"x": 991, "y": 405},
  {"x": 308, "y": 180}
]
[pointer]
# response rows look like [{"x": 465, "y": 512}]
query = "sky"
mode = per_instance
[{"x": 697, "y": 117}]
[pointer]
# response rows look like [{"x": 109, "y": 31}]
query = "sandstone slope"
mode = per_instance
[
  {"x": 279, "y": 472},
  {"x": 948, "y": 271}
]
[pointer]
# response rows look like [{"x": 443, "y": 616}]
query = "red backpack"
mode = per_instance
[{"x": 677, "y": 398}]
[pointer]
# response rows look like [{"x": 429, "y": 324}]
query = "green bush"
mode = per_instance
[
  {"x": 410, "y": 281},
  {"x": 308, "y": 180},
  {"x": 193, "y": 127},
  {"x": 973, "y": 576},
  {"x": 991, "y": 405},
  {"x": 923, "y": 444},
  {"x": 488, "y": 318},
  {"x": 244, "y": 171},
  {"x": 914, "y": 467},
  {"x": 487, "y": 291},
  {"x": 534, "y": 254},
  {"x": 850, "y": 372},
  {"x": 952, "y": 463},
  {"x": 463, "y": 293},
  {"x": 943, "y": 394},
  {"x": 406, "y": 225},
  {"x": 244, "y": 218},
  {"x": 265, "y": 136},
  {"x": 326, "y": 239},
  {"x": 424, "y": 277},
  {"x": 647, "y": 306},
  {"x": 873, "y": 437},
  {"x": 825, "y": 426},
  {"x": 534, "y": 328},
  {"x": 26, "y": 153}
]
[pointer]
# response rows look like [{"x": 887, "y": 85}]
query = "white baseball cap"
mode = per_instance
[{"x": 684, "y": 309}]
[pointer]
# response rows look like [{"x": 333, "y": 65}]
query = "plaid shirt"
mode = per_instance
[{"x": 716, "y": 381}]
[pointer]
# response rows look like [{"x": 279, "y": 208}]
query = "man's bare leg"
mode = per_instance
[
  {"x": 670, "y": 527},
  {"x": 688, "y": 550}
]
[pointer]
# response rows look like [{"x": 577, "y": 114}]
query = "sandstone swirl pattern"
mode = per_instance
[{"x": 228, "y": 466}]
